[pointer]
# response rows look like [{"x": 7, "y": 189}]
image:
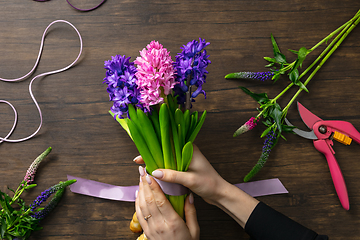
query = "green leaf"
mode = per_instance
[
  {"x": 260, "y": 98},
  {"x": 287, "y": 128},
  {"x": 271, "y": 60},
  {"x": 150, "y": 137},
  {"x": 187, "y": 121},
  {"x": 276, "y": 114},
  {"x": 265, "y": 132},
  {"x": 275, "y": 46},
  {"x": 280, "y": 58},
  {"x": 3, "y": 228},
  {"x": 301, "y": 57},
  {"x": 154, "y": 117},
  {"x": 187, "y": 154},
  {"x": 269, "y": 65},
  {"x": 30, "y": 186},
  {"x": 198, "y": 127},
  {"x": 175, "y": 138},
  {"x": 294, "y": 51},
  {"x": 142, "y": 147},
  {"x": 294, "y": 75},
  {"x": 193, "y": 121},
  {"x": 165, "y": 129},
  {"x": 179, "y": 120}
]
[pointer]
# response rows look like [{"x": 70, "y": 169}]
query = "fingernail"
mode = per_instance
[
  {"x": 157, "y": 174},
  {"x": 191, "y": 198},
  {"x": 148, "y": 179},
  {"x": 136, "y": 193},
  {"x": 135, "y": 159},
  {"x": 141, "y": 171}
]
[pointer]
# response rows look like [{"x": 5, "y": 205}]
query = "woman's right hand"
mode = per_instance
[{"x": 201, "y": 178}]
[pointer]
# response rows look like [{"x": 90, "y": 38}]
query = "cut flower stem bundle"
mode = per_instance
[{"x": 270, "y": 111}]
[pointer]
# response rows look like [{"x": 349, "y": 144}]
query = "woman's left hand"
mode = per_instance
[{"x": 158, "y": 218}]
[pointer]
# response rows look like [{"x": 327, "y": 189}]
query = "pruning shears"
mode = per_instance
[{"x": 322, "y": 133}]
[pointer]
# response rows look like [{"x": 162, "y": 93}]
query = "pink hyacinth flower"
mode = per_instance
[
  {"x": 155, "y": 74},
  {"x": 250, "y": 124}
]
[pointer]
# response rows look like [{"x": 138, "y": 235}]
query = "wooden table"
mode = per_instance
[{"x": 88, "y": 143}]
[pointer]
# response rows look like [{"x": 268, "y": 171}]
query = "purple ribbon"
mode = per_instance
[{"x": 127, "y": 193}]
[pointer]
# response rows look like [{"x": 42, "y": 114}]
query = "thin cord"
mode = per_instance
[
  {"x": 86, "y": 10},
  {"x": 5, "y": 139},
  {"x": 79, "y": 9}
]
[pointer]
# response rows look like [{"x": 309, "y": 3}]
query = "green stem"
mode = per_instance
[
  {"x": 336, "y": 31},
  {"x": 337, "y": 44}
]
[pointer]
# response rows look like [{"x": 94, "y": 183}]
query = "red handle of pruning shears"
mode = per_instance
[{"x": 324, "y": 146}]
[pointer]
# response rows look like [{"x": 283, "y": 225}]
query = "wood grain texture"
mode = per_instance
[{"x": 88, "y": 143}]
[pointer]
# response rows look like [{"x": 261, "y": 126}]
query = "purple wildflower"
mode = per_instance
[
  {"x": 30, "y": 173},
  {"x": 250, "y": 124},
  {"x": 121, "y": 81},
  {"x": 59, "y": 189},
  {"x": 262, "y": 76},
  {"x": 191, "y": 70},
  {"x": 50, "y": 206},
  {"x": 269, "y": 143}
]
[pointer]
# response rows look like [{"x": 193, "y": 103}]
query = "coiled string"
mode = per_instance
[
  {"x": 79, "y": 9},
  {"x": 5, "y": 139}
]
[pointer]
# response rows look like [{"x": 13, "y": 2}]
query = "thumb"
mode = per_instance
[
  {"x": 191, "y": 219},
  {"x": 173, "y": 176}
]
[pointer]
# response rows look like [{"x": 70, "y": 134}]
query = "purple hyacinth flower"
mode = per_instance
[
  {"x": 191, "y": 70},
  {"x": 122, "y": 87}
]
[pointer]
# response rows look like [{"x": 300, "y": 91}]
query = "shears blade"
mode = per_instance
[
  {"x": 302, "y": 133},
  {"x": 308, "y": 117}
]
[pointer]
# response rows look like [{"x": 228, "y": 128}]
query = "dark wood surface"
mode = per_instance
[{"x": 88, "y": 143}]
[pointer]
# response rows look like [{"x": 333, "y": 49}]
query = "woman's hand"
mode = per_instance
[
  {"x": 201, "y": 178},
  {"x": 158, "y": 218}
]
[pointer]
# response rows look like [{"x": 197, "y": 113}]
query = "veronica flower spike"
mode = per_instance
[
  {"x": 262, "y": 76},
  {"x": 250, "y": 124},
  {"x": 269, "y": 143},
  {"x": 45, "y": 195},
  {"x": 30, "y": 173}
]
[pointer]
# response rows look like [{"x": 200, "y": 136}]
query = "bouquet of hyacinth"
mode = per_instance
[
  {"x": 19, "y": 221},
  {"x": 152, "y": 102}
]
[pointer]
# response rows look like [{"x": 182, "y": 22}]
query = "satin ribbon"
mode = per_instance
[
  {"x": 127, "y": 193},
  {"x": 6, "y": 138}
]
